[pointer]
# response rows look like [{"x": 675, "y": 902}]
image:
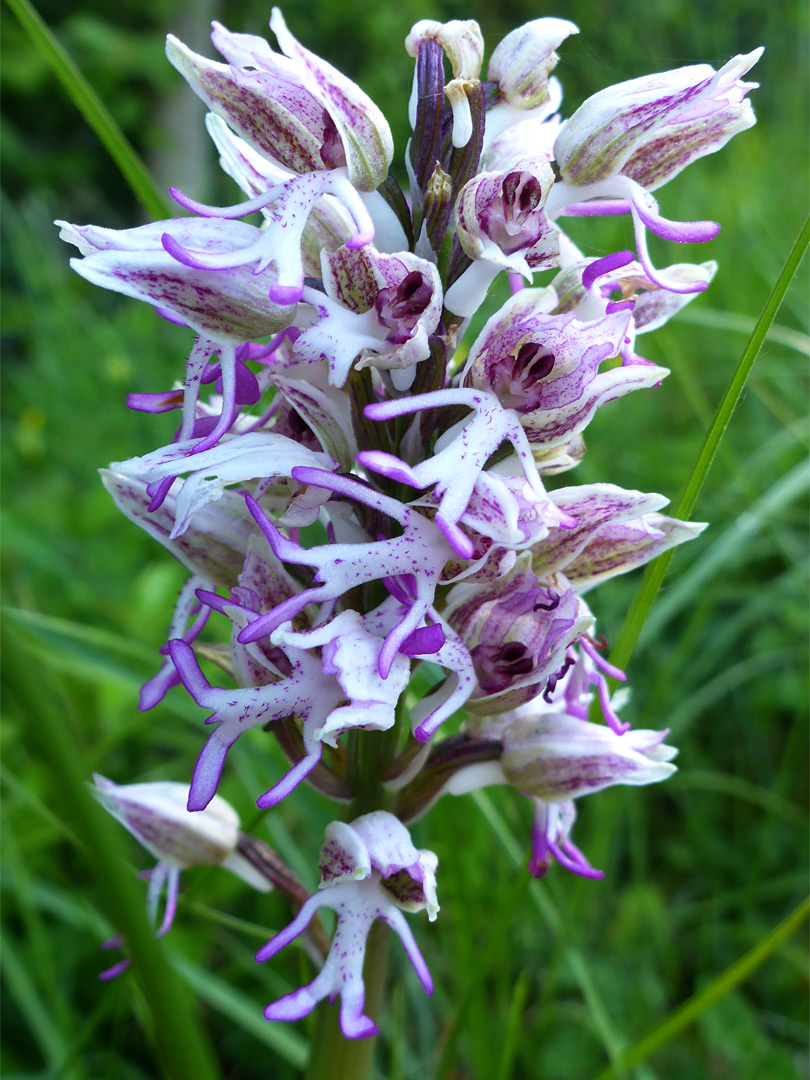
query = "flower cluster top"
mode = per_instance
[{"x": 360, "y": 498}]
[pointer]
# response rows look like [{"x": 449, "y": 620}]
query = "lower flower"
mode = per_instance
[{"x": 369, "y": 870}]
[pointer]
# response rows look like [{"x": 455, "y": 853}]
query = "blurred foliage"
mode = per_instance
[{"x": 698, "y": 870}]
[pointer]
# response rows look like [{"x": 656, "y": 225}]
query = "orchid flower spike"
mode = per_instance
[{"x": 363, "y": 493}]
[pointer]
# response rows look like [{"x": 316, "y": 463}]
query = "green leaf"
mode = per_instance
[
  {"x": 184, "y": 1047},
  {"x": 612, "y": 1040},
  {"x": 727, "y": 546},
  {"x": 654, "y": 574},
  {"x": 92, "y": 109},
  {"x": 243, "y": 1011},
  {"x": 696, "y": 1005}
]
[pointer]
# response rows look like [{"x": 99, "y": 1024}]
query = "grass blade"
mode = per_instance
[
  {"x": 655, "y": 572},
  {"x": 184, "y": 1048},
  {"x": 514, "y": 1029},
  {"x": 44, "y": 1031},
  {"x": 720, "y": 553},
  {"x": 242, "y": 1010},
  {"x": 92, "y": 109},
  {"x": 693, "y": 1008},
  {"x": 611, "y": 1038}
]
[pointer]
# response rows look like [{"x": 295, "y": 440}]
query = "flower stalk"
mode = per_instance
[{"x": 364, "y": 502}]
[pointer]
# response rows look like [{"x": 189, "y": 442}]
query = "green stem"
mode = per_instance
[
  {"x": 368, "y": 756},
  {"x": 331, "y": 1056}
]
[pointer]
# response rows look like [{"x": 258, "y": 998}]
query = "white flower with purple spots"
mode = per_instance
[{"x": 369, "y": 870}]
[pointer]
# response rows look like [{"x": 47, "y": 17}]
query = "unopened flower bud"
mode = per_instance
[
  {"x": 295, "y": 108},
  {"x": 523, "y": 60},
  {"x": 558, "y": 757},
  {"x": 650, "y": 128}
]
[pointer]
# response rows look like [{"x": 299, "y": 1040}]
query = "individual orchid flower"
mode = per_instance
[
  {"x": 156, "y": 815},
  {"x": 420, "y": 551},
  {"x": 460, "y": 456},
  {"x": 225, "y": 309},
  {"x": 544, "y": 368},
  {"x": 501, "y": 225},
  {"x": 592, "y": 288},
  {"x": 307, "y": 692},
  {"x": 380, "y": 307},
  {"x": 306, "y": 117},
  {"x": 242, "y": 457},
  {"x": 628, "y": 140},
  {"x": 293, "y": 107},
  {"x": 557, "y": 757},
  {"x": 464, "y": 47},
  {"x": 520, "y": 67},
  {"x": 518, "y": 630},
  {"x": 369, "y": 870}
]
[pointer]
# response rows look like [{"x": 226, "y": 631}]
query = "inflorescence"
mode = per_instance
[{"x": 360, "y": 499}]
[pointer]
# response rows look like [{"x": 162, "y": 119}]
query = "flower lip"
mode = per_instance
[
  {"x": 510, "y": 223},
  {"x": 516, "y": 384}
]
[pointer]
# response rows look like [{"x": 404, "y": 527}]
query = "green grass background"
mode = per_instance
[{"x": 551, "y": 982}]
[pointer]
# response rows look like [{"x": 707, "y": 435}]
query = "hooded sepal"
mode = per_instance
[
  {"x": 228, "y": 306},
  {"x": 590, "y": 509},
  {"x": 501, "y": 224},
  {"x": 379, "y": 843},
  {"x": 517, "y": 630},
  {"x": 213, "y": 546},
  {"x": 617, "y": 548},
  {"x": 295, "y": 108},
  {"x": 648, "y": 129},
  {"x": 521, "y": 62}
]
